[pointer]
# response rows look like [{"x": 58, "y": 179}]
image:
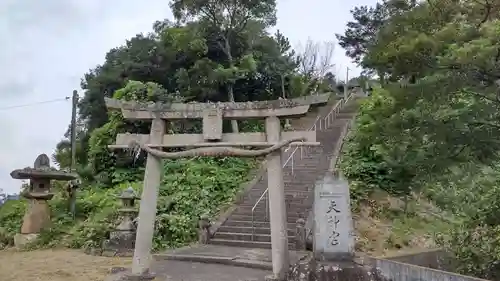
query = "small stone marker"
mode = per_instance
[
  {"x": 122, "y": 239},
  {"x": 333, "y": 226}
]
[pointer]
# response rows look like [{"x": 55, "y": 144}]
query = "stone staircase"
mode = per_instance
[{"x": 299, "y": 176}]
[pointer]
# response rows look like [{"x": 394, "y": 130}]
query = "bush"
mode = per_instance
[
  {"x": 11, "y": 215},
  {"x": 190, "y": 188},
  {"x": 363, "y": 161}
]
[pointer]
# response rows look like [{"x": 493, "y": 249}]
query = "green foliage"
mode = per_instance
[
  {"x": 190, "y": 188},
  {"x": 364, "y": 161},
  {"x": 438, "y": 63},
  {"x": 193, "y": 188},
  {"x": 190, "y": 60},
  {"x": 11, "y": 214},
  {"x": 471, "y": 193},
  {"x": 101, "y": 160}
]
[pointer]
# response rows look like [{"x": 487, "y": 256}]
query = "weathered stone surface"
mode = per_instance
[
  {"x": 41, "y": 170},
  {"x": 309, "y": 269},
  {"x": 300, "y": 235},
  {"x": 121, "y": 243},
  {"x": 204, "y": 230},
  {"x": 122, "y": 240},
  {"x": 171, "y": 270},
  {"x": 256, "y": 139},
  {"x": 123, "y": 274},
  {"x": 225, "y": 106},
  {"x": 21, "y": 240},
  {"x": 37, "y": 214},
  {"x": 212, "y": 124},
  {"x": 36, "y": 218},
  {"x": 333, "y": 238}
]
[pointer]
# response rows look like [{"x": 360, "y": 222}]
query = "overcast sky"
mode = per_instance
[{"x": 48, "y": 45}]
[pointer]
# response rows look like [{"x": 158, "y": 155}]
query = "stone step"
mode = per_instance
[
  {"x": 246, "y": 244},
  {"x": 250, "y": 200},
  {"x": 261, "y": 214},
  {"x": 292, "y": 205},
  {"x": 292, "y": 218},
  {"x": 291, "y": 199},
  {"x": 289, "y": 193},
  {"x": 303, "y": 169},
  {"x": 289, "y": 187},
  {"x": 262, "y": 206},
  {"x": 246, "y": 229},
  {"x": 246, "y": 237},
  {"x": 258, "y": 224}
]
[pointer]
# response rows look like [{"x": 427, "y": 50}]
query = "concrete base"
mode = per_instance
[
  {"x": 21, "y": 240},
  {"x": 124, "y": 274},
  {"x": 234, "y": 256},
  {"x": 272, "y": 277},
  {"x": 313, "y": 270},
  {"x": 109, "y": 253}
]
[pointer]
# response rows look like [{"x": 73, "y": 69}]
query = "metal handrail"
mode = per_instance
[{"x": 327, "y": 120}]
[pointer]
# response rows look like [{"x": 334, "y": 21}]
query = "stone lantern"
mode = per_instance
[
  {"x": 122, "y": 239},
  {"x": 38, "y": 192}
]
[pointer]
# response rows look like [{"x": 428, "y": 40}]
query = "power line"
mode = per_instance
[{"x": 34, "y": 103}]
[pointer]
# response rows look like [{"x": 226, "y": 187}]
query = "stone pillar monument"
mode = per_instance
[
  {"x": 38, "y": 213},
  {"x": 333, "y": 225}
]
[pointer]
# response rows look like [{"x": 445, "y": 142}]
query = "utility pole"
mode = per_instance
[{"x": 72, "y": 187}]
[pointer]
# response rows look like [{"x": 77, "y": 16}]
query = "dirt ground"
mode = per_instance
[{"x": 55, "y": 265}]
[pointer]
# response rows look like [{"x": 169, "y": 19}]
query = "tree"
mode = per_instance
[
  {"x": 228, "y": 19},
  {"x": 363, "y": 32},
  {"x": 441, "y": 61},
  {"x": 314, "y": 61},
  {"x": 194, "y": 65}
]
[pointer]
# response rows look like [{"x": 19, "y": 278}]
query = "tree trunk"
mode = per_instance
[
  {"x": 381, "y": 77},
  {"x": 230, "y": 93},
  {"x": 287, "y": 121},
  {"x": 230, "y": 90}
]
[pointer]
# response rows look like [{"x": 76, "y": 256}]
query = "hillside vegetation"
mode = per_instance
[
  {"x": 431, "y": 128},
  {"x": 203, "y": 56}
]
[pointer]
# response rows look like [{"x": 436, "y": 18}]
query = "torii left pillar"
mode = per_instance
[{"x": 147, "y": 211}]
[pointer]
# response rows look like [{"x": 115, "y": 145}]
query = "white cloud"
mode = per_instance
[{"x": 48, "y": 45}]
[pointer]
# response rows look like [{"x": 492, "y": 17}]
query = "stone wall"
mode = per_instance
[
  {"x": 374, "y": 269},
  {"x": 435, "y": 259},
  {"x": 398, "y": 271}
]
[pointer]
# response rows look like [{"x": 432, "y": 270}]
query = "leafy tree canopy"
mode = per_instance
[{"x": 437, "y": 110}]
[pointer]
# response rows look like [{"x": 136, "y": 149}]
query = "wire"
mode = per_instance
[{"x": 34, "y": 103}]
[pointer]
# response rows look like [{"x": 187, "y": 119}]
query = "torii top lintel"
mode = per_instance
[{"x": 230, "y": 110}]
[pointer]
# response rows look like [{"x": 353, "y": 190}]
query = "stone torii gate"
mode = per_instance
[{"x": 213, "y": 142}]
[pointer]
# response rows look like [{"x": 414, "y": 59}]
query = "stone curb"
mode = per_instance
[
  {"x": 125, "y": 274},
  {"x": 232, "y": 261}
]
